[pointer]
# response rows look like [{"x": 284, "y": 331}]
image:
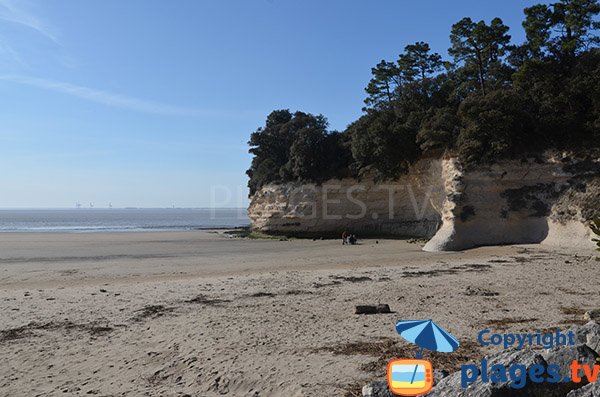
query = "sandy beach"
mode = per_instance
[{"x": 203, "y": 314}]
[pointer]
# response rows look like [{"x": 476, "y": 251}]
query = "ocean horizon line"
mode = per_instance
[{"x": 116, "y": 208}]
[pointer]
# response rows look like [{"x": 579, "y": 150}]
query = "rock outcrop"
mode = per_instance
[
  {"x": 535, "y": 200},
  {"x": 450, "y": 386},
  {"x": 591, "y": 390}
]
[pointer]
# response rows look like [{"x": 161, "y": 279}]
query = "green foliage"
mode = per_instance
[
  {"x": 382, "y": 143},
  {"x": 417, "y": 63},
  {"x": 383, "y": 87},
  {"x": 566, "y": 99},
  {"x": 479, "y": 47},
  {"x": 439, "y": 130},
  {"x": 496, "y": 125},
  {"x": 296, "y": 147},
  {"x": 410, "y": 77},
  {"x": 495, "y": 100},
  {"x": 562, "y": 30},
  {"x": 317, "y": 156}
]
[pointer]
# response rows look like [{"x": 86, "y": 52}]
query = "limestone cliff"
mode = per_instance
[
  {"x": 529, "y": 201},
  {"x": 545, "y": 200},
  {"x": 409, "y": 206}
]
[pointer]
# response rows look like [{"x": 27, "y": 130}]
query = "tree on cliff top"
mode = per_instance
[
  {"x": 497, "y": 125},
  {"x": 383, "y": 144},
  {"x": 418, "y": 63},
  {"x": 295, "y": 147},
  {"x": 393, "y": 82},
  {"x": 479, "y": 47},
  {"x": 383, "y": 87},
  {"x": 562, "y": 30}
]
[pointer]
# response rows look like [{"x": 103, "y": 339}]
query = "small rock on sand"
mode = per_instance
[
  {"x": 372, "y": 309},
  {"x": 592, "y": 315},
  {"x": 477, "y": 291}
]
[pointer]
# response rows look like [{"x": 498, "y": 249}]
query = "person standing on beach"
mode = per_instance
[
  {"x": 344, "y": 237},
  {"x": 351, "y": 239}
]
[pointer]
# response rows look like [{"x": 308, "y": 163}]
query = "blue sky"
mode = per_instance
[{"x": 150, "y": 103}]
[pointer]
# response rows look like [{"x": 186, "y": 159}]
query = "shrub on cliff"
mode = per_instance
[
  {"x": 496, "y": 125},
  {"x": 439, "y": 129},
  {"x": 382, "y": 143},
  {"x": 296, "y": 147},
  {"x": 566, "y": 99},
  {"x": 316, "y": 156}
]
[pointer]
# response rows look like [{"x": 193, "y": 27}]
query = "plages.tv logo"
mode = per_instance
[
  {"x": 414, "y": 377},
  {"x": 408, "y": 377}
]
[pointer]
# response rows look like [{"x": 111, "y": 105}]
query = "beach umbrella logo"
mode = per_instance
[
  {"x": 427, "y": 335},
  {"x": 414, "y": 377}
]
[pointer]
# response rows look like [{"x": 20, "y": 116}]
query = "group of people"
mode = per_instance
[{"x": 348, "y": 238}]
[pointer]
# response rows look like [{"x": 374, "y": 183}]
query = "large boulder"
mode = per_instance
[
  {"x": 592, "y": 315},
  {"x": 563, "y": 357},
  {"x": 585, "y": 351},
  {"x": 451, "y": 386},
  {"x": 589, "y": 334},
  {"x": 591, "y": 390},
  {"x": 377, "y": 389}
]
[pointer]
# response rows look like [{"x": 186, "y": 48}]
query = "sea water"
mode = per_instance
[{"x": 131, "y": 219}]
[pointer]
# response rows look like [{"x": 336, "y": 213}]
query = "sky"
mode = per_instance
[{"x": 148, "y": 103}]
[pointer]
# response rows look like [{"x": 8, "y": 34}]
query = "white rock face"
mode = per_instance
[
  {"x": 409, "y": 206},
  {"x": 569, "y": 234},
  {"x": 544, "y": 201},
  {"x": 516, "y": 202}
]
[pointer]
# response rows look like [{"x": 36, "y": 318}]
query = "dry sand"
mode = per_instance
[{"x": 201, "y": 314}]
